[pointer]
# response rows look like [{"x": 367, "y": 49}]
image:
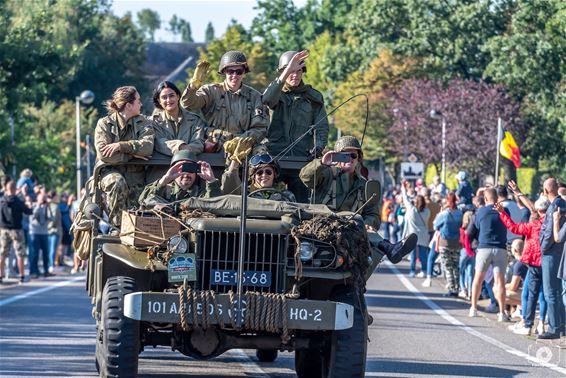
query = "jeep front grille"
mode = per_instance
[{"x": 218, "y": 251}]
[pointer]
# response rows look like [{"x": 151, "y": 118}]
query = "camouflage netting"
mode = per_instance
[{"x": 347, "y": 235}]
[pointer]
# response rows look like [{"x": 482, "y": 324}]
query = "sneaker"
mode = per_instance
[
  {"x": 516, "y": 314},
  {"x": 540, "y": 328},
  {"x": 399, "y": 250},
  {"x": 473, "y": 313},
  {"x": 548, "y": 336},
  {"x": 411, "y": 274},
  {"x": 503, "y": 317},
  {"x": 22, "y": 279},
  {"x": 491, "y": 308},
  {"x": 420, "y": 275},
  {"x": 525, "y": 331},
  {"x": 516, "y": 326},
  {"x": 34, "y": 276},
  {"x": 462, "y": 294},
  {"x": 427, "y": 282},
  {"x": 50, "y": 270}
]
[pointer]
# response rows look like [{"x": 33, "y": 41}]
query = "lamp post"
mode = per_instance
[
  {"x": 86, "y": 97},
  {"x": 436, "y": 114}
]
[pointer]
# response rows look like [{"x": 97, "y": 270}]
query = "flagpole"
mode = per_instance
[{"x": 499, "y": 128}]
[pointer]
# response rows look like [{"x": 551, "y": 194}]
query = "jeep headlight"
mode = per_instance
[
  {"x": 307, "y": 251},
  {"x": 177, "y": 244}
]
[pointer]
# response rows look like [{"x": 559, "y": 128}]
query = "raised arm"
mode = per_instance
[{"x": 524, "y": 199}]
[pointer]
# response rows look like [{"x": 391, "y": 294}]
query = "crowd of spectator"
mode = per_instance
[
  {"x": 35, "y": 228},
  {"x": 494, "y": 243}
]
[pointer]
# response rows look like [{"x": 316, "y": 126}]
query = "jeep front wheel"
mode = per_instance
[{"x": 118, "y": 344}]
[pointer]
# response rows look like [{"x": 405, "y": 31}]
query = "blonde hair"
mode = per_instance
[
  {"x": 517, "y": 246},
  {"x": 121, "y": 97}
]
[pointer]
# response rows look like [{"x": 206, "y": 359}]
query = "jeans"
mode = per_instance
[
  {"x": 432, "y": 256},
  {"x": 386, "y": 233},
  {"x": 423, "y": 258},
  {"x": 533, "y": 283},
  {"x": 53, "y": 241},
  {"x": 467, "y": 264},
  {"x": 39, "y": 243},
  {"x": 489, "y": 289},
  {"x": 552, "y": 289}
]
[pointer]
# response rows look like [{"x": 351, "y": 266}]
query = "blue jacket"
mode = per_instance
[
  {"x": 547, "y": 244},
  {"x": 492, "y": 231},
  {"x": 448, "y": 222}
]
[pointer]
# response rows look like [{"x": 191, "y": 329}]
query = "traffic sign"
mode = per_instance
[{"x": 412, "y": 171}]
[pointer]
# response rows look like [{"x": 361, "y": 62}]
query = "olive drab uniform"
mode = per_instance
[
  {"x": 294, "y": 110},
  {"x": 122, "y": 184},
  {"x": 188, "y": 128},
  {"x": 154, "y": 193},
  {"x": 340, "y": 191},
  {"x": 228, "y": 114}
]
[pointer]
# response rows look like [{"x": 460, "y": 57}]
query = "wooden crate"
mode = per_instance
[{"x": 143, "y": 230}]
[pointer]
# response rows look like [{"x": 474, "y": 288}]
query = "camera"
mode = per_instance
[
  {"x": 342, "y": 157},
  {"x": 190, "y": 167}
]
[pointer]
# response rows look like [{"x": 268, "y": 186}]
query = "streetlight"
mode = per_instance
[
  {"x": 436, "y": 114},
  {"x": 86, "y": 97}
]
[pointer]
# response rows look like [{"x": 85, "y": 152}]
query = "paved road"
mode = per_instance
[{"x": 47, "y": 330}]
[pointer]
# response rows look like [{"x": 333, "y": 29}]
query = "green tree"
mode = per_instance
[
  {"x": 449, "y": 37},
  {"x": 185, "y": 29},
  {"x": 149, "y": 21},
  {"x": 209, "y": 33},
  {"x": 531, "y": 59},
  {"x": 278, "y": 26},
  {"x": 174, "y": 25}
]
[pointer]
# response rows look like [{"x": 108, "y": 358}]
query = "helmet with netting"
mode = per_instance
[
  {"x": 231, "y": 59},
  {"x": 347, "y": 141},
  {"x": 182, "y": 156}
]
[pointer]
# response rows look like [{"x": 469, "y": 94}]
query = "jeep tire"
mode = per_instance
[
  {"x": 346, "y": 354},
  {"x": 118, "y": 346}
]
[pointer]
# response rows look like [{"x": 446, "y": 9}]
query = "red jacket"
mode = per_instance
[{"x": 531, "y": 252}]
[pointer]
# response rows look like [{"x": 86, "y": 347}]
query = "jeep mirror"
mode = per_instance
[{"x": 373, "y": 188}]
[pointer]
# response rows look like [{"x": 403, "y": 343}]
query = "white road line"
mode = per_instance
[
  {"x": 248, "y": 365},
  {"x": 39, "y": 291},
  {"x": 449, "y": 318}
]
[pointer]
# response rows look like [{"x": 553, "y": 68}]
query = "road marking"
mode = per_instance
[
  {"x": 449, "y": 318},
  {"x": 39, "y": 291},
  {"x": 248, "y": 365}
]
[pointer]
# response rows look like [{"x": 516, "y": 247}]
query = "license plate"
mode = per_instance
[{"x": 229, "y": 277}]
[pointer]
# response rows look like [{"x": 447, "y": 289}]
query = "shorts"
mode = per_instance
[
  {"x": 12, "y": 238},
  {"x": 491, "y": 256}
]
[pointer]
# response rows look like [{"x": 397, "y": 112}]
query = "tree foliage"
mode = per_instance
[
  {"x": 209, "y": 33},
  {"x": 470, "y": 110},
  {"x": 149, "y": 21}
]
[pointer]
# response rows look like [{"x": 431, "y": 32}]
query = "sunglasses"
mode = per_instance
[
  {"x": 238, "y": 72},
  {"x": 268, "y": 172},
  {"x": 260, "y": 159}
]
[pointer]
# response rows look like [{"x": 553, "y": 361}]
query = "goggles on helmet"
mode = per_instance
[{"x": 261, "y": 159}]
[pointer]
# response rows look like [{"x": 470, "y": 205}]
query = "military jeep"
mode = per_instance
[{"x": 196, "y": 293}]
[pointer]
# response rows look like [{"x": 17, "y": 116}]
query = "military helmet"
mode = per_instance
[
  {"x": 262, "y": 160},
  {"x": 233, "y": 58},
  {"x": 183, "y": 155},
  {"x": 284, "y": 60},
  {"x": 347, "y": 141}
]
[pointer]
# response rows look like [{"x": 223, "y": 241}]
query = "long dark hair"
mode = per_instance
[
  {"x": 420, "y": 203},
  {"x": 160, "y": 87}
]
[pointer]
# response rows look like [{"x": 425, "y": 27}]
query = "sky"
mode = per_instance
[{"x": 197, "y": 12}]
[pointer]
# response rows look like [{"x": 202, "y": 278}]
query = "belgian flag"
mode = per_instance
[{"x": 508, "y": 148}]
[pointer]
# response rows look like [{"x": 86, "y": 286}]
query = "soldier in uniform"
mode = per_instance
[
  {"x": 178, "y": 184},
  {"x": 341, "y": 187},
  {"x": 175, "y": 128},
  {"x": 263, "y": 174},
  {"x": 230, "y": 108},
  {"x": 296, "y": 106},
  {"x": 120, "y": 136}
]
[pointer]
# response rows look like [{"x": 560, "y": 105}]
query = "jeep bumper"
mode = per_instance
[{"x": 301, "y": 313}]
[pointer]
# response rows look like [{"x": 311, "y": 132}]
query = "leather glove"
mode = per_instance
[
  {"x": 239, "y": 148},
  {"x": 230, "y": 146},
  {"x": 200, "y": 74}
]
